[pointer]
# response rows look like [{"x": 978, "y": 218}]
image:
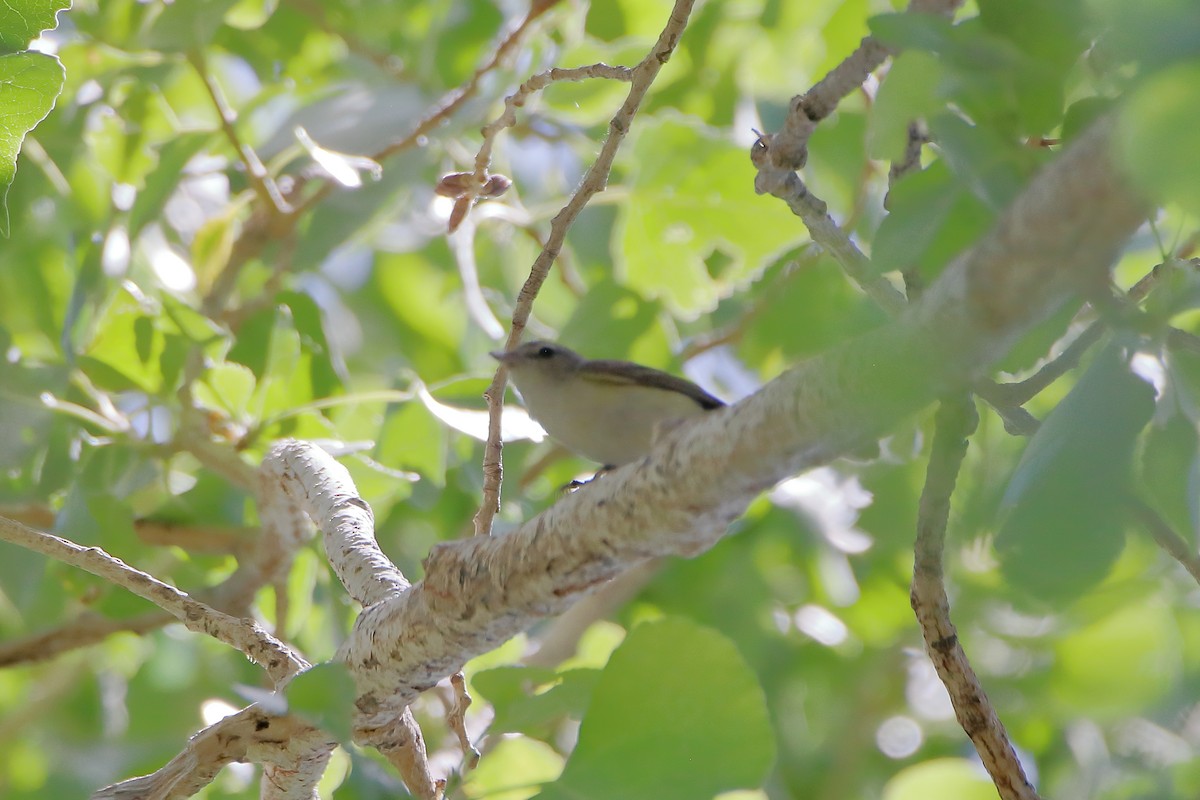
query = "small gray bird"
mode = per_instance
[{"x": 607, "y": 411}]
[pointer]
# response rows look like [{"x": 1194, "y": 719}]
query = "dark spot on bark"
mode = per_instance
[
  {"x": 946, "y": 643},
  {"x": 262, "y": 724}
]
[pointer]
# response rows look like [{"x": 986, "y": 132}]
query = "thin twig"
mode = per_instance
[
  {"x": 593, "y": 182},
  {"x": 260, "y": 180},
  {"x": 245, "y": 635},
  {"x": 955, "y": 421},
  {"x": 199, "y": 538},
  {"x": 814, "y": 213},
  {"x": 789, "y": 147},
  {"x": 450, "y": 102},
  {"x": 456, "y": 718},
  {"x": 1018, "y": 393},
  {"x": 536, "y": 84},
  {"x": 317, "y": 13},
  {"x": 910, "y": 161}
]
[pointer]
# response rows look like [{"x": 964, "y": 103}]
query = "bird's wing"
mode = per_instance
[{"x": 628, "y": 373}]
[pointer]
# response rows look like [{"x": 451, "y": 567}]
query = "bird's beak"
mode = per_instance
[{"x": 503, "y": 356}]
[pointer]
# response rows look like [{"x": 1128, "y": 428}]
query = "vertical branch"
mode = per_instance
[
  {"x": 955, "y": 421},
  {"x": 595, "y": 181}
]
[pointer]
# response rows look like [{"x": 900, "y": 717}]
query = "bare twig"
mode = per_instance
[
  {"x": 594, "y": 181},
  {"x": 86, "y": 629},
  {"x": 456, "y": 718},
  {"x": 1020, "y": 392},
  {"x": 911, "y": 160},
  {"x": 956, "y": 420},
  {"x": 536, "y": 84},
  {"x": 789, "y": 147},
  {"x": 260, "y": 180},
  {"x": 452, "y": 100},
  {"x": 245, "y": 635}
]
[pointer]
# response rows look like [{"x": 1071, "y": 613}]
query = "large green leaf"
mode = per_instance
[
  {"x": 934, "y": 216},
  {"x": 677, "y": 713},
  {"x": 324, "y": 695},
  {"x": 1066, "y": 502},
  {"x": 1163, "y": 117},
  {"x": 527, "y": 699},
  {"x": 22, "y": 20},
  {"x": 677, "y": 216},
  {"x": 29, "y": 86}
]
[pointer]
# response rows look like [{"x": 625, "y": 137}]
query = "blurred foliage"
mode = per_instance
[{"x": 140, "y": 319}]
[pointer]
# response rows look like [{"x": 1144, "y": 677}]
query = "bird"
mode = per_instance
[{"x": 607, "y": 411}]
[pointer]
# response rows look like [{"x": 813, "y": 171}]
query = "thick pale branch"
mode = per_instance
[{"x": 296, "y": 476}]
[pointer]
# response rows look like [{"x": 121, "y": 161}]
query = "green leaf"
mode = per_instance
[
  {"x": 612, "y": 321},
  {"x": 511, "y": 768},
  {"x": 128, "y": 347},
  {"x": 412, "y": 438},
  {"x": 1170, "y": 472},
  {"x": 310, "y": 324},
  {"x": 933, "y": 218},
  {"x": 162, "y": 179},
  {"x": 186, "y": 26},
  {"x": 225, "y": 387},
  {"x": 1154, "y": 34},
  {"x": 1083, "y": 113},
  {"x": 677, "y": 713},
  {"x": 250, "y": 15},
  {"x": 1052, "y": 32},
  {"x": 324, "y": 695},
  {"x": 24, "y": 20},
  {"x": 677, "y": 216},
  {"x": 29, "y": 86},
  {"x": 910, "y": 91},
  {"x": 1158, "y": 130},
  {"x": 992, "y": 167},
  {"x": 928, "y": 32},
  {"x": 1066, "y": 501},
  {"x": 617, "y": 19},
  {"x": 472, "y": 25},
  {"x": 286, "y": 349},
  {"x": 1137, "y": 645},
  {"x": 940, "y": 779},
  {"x": 527, "y": 699}
]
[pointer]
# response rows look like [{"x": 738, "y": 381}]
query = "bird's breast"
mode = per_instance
[{"x": 612, "y": 424}]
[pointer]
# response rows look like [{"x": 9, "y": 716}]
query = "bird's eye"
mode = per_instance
[{"x": 545, "y": 352}]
